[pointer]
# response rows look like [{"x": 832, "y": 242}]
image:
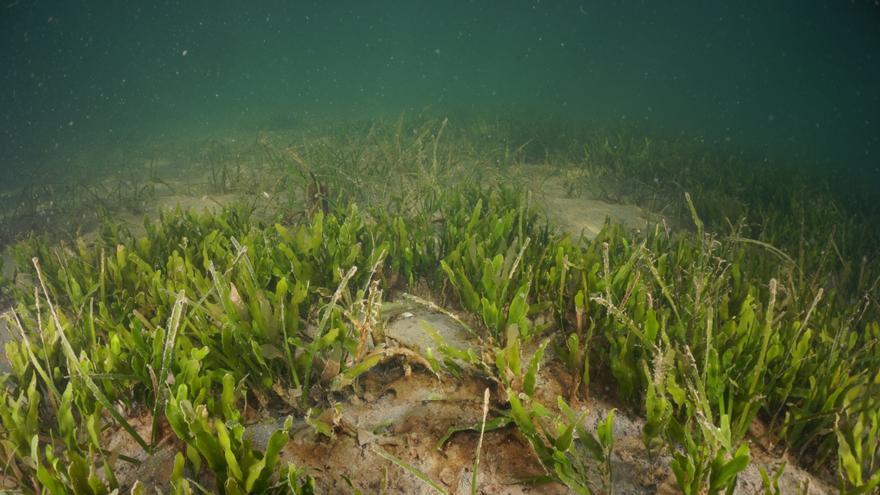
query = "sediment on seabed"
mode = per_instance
[{"x": 329, "y": 315}]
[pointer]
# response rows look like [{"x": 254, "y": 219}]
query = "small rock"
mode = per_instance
[
  {"x": 365, "y": 437},
  {"x": 447, "y": 476}
]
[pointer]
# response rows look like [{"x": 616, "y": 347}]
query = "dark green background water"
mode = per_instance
[{"x": 795, "y": 78}]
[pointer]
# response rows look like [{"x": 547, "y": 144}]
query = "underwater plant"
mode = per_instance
[{"x": 704, "y": 330}]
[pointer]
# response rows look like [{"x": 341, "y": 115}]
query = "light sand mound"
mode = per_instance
[{"x": 584, "y": 215}]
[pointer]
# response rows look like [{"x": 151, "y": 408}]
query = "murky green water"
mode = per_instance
[
  {"x": 677, "y": 201},
  {"x": 797, "y": 79}
]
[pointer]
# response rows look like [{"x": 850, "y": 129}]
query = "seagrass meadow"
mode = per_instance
[
  {"x": 495, "y": 247},
  {"x": 397, "y": 307}
]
